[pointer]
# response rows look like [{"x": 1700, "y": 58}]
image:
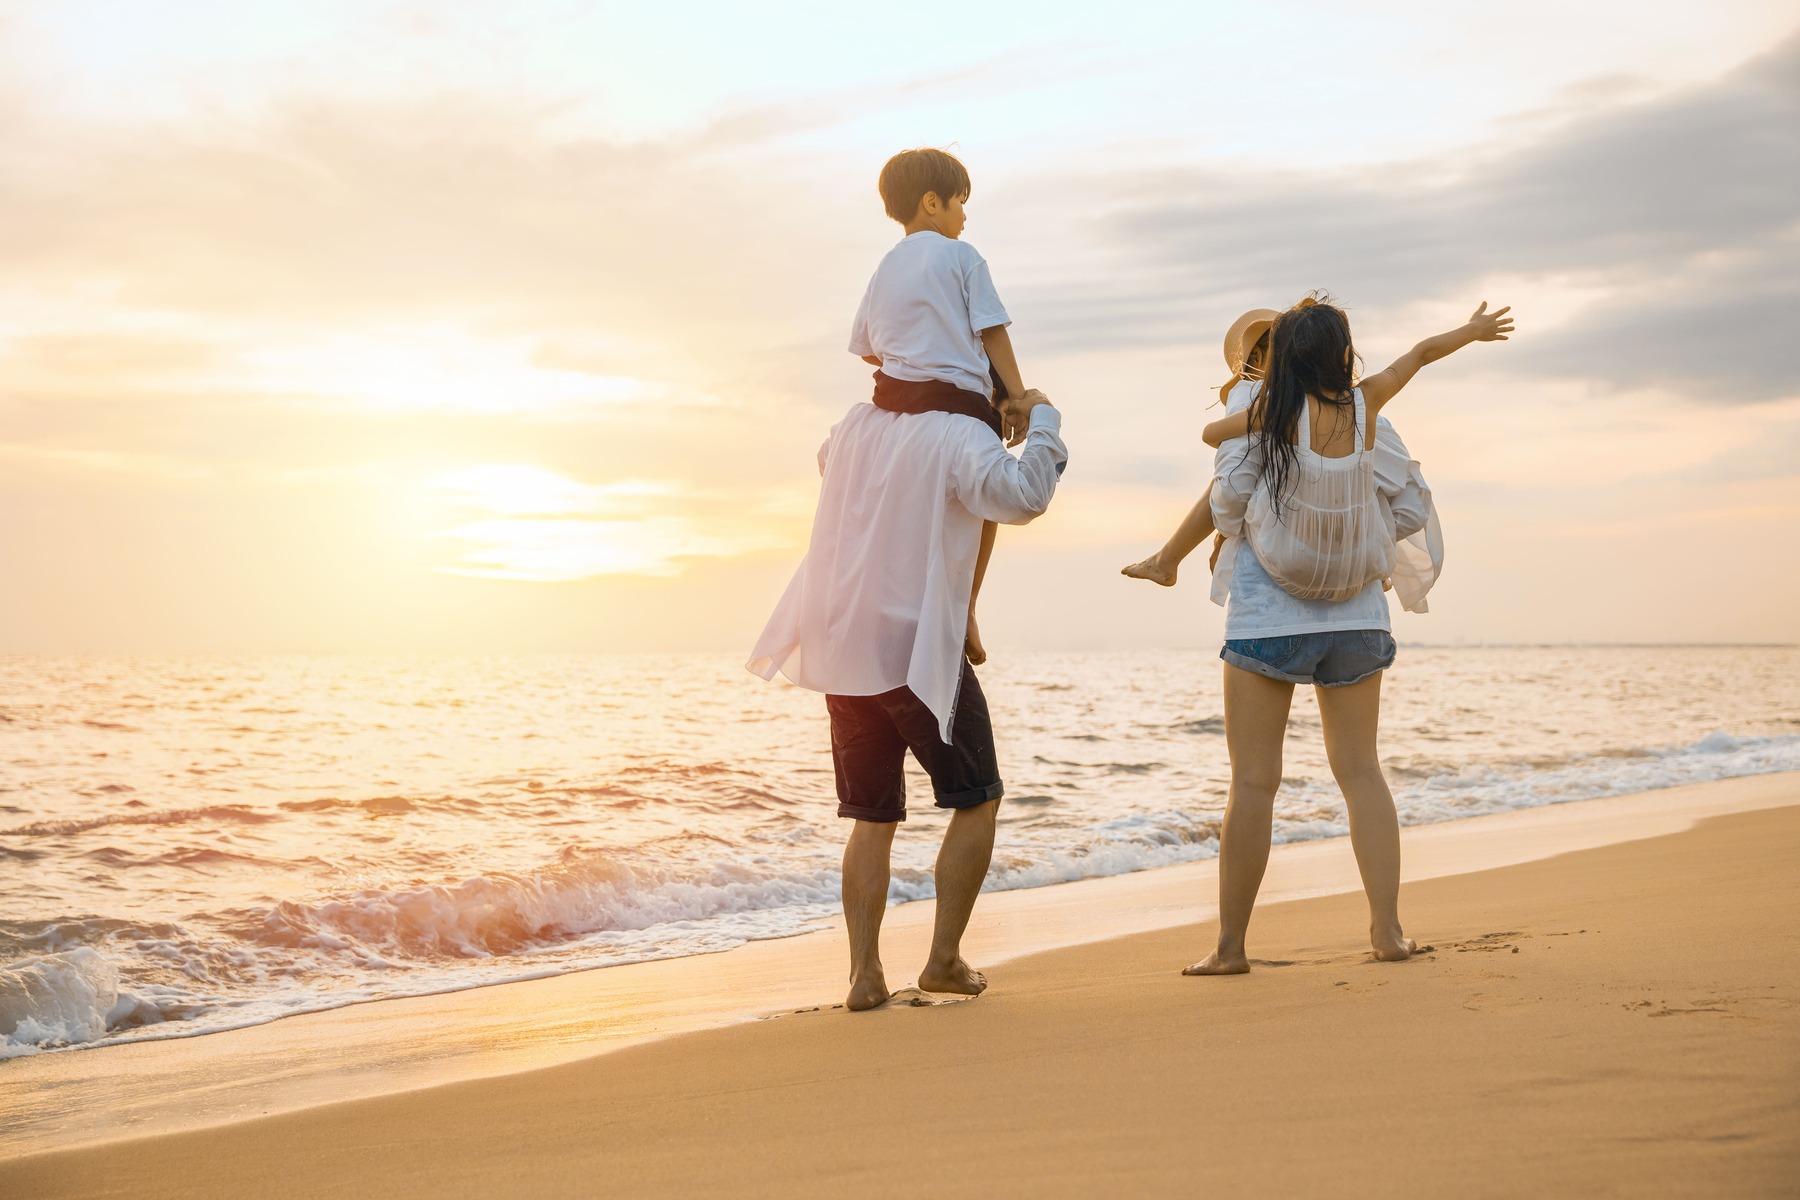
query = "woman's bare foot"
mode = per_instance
[
  {"x": 867, "y": 991},
  {"x": 956, "y": 976},
  {"x": 1220, "y": 963},
  {"x": 1153, "y": 570},
  {"x": 1395, "y": 949}
]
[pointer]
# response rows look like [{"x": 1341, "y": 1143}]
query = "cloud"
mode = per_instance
[
  {"x": 1682, "y": 207},
  {"x": 337, "y": 213}
]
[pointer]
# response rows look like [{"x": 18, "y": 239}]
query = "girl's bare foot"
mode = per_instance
[
  {"x": 1152, "y": 569},
  {"x": 1220, "y": 963},
  {"x": 867, "y": 991},
  {"x": 956, "y": 977}
]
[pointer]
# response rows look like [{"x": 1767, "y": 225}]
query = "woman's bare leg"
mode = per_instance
[
  {"x": 1256, "y": 715},
  {"x": 1196, "y": 527},
  {"x": 1351, "y": 717}
]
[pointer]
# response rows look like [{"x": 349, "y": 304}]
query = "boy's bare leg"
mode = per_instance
[
  {"x": 1196, "y": 527},
  {"x": 962, "y": 865},
  {"x": 1350, "y": 716},
  {"x": 973, "y": 650},
  {"x": 1256, "y": 715},
  {"x": 866, "y": 872}
]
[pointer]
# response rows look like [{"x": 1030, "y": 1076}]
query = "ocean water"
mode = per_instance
[{"x": 196, "y": 844}]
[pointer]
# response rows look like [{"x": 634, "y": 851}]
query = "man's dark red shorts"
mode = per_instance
[{"x": 870, "y": 736}]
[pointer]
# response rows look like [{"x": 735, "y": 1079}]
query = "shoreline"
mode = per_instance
[{"x": 383, "y": 1047}]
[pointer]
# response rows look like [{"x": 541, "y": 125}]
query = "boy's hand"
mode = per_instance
[
  {"x": 1015, "y": 414},
  {"x": 1488, "y": 326}
]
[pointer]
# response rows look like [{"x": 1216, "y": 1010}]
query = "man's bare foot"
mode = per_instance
[
  {"x": 955, "y": 976},
  {"x": 973, "y": 650},
  {"x": 1153, "y": 570},
  {"x": 1395, "y": 949},
  {"x": 1220, "y": 963},
  {"x": 867, "y": 991}
]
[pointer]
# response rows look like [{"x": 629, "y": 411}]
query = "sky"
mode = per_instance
[{"x": 511, "y": 327}]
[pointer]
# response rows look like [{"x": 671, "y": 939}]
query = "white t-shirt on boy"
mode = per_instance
[{"x": 924, "y": 311}]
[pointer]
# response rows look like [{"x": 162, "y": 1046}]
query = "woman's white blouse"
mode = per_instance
[{"x": 1262, "y": 608}]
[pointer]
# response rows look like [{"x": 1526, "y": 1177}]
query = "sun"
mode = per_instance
[{"x": 526, "y": 522}]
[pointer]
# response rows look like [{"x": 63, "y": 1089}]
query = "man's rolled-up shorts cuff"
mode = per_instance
[
  {"x": 973, "y": 798},
  {"x": 886, "y": 816}
]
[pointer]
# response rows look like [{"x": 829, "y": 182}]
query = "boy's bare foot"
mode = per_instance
[
  {"x": 867, "y": 991},
  {"x": 956, "y": 976},
  {"x": 973, "y": 650},
  {"x": 1152, "y": 569},
  {"x": 1219, "y": 963}
]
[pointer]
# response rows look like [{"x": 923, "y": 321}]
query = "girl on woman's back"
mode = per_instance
[{"x": 1306, "y": 601}]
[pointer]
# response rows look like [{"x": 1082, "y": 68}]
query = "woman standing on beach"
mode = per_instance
[{"x": 1299, "y": 491}]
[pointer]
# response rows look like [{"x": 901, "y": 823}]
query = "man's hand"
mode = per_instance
[{"x": 1015, "y": 414}]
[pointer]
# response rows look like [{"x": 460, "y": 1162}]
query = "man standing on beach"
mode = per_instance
[
  {"x": 874, "y": 619},
  {"x": 877, "y": 614}
]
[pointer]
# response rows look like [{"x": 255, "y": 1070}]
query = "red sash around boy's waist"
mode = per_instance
[{"x": 933, "y": 395}]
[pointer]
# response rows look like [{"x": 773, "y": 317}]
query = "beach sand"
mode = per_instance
[{"x": 1621, "y": 1020}]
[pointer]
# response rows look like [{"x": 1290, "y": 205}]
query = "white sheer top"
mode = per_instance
[{"x": 1260, "y": 607}]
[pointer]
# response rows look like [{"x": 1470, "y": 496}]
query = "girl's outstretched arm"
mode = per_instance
[{"x": 1483, "y": 326}]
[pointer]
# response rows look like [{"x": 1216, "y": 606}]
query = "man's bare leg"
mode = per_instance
[
  {"x": 1351, "y": 716},
  {"x": 1196, "y": 527},
  {"x": 1256, "y": 715},
  {"x": 866, "y": 857},
  {"x": 962, "y": 865}
]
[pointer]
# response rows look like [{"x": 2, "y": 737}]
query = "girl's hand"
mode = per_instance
[{"x": 1488, "y": 326}]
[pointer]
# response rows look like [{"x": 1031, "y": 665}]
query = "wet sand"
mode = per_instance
[{"x": 1616, "y": 1020}]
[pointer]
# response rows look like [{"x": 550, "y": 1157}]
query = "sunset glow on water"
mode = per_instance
[{"x": 240, "y": 839}]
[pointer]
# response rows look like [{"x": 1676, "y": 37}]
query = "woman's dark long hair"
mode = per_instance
[{"x": 1310, "y": 354}]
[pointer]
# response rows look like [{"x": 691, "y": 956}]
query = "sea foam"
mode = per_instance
[{"x": 56, "y": 1000}]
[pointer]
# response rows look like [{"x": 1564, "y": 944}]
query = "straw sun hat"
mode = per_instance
[{"x": 1240, "y": 339}]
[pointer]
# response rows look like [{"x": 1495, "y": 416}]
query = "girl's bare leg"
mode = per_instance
[
  {"x": 1256, "y": 715},
  {"x": 1196, "y": 527},
  {"x": 1351, "y": 716}
]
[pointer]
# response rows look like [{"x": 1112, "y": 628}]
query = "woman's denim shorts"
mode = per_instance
[{"x": 1336, "y": 659}]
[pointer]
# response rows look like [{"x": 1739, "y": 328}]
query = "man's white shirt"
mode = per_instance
[{"x": 881, "y": 599}]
